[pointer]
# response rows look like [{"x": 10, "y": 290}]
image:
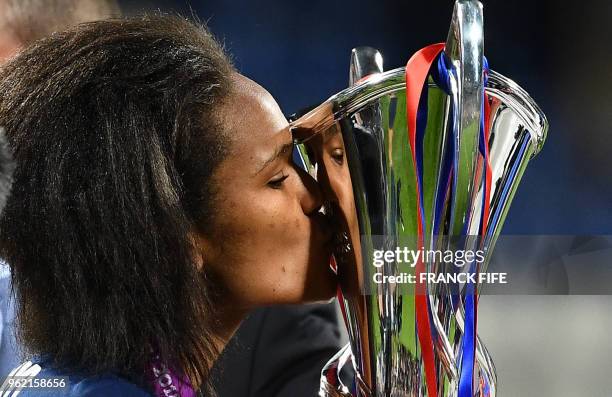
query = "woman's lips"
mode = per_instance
[
  {"x": 328, "y": 229},
  {"x": 341, "y": 240},
  {"x": 334, "y": 232}
]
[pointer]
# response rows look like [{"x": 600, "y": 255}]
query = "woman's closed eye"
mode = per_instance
[{"x": 277, "y": 181}]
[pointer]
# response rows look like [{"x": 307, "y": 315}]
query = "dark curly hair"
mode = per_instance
[{"x": 115, "y": 137}]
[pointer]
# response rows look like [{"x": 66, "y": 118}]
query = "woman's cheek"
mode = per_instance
[{"x": 273, "y": 239}]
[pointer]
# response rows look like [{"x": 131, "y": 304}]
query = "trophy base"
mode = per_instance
[{"x": 340, "y": 379}]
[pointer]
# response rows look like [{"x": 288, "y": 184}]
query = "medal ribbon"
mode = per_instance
[{"x": 166, "y": 382}]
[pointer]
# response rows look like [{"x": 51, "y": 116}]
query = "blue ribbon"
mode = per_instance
[
  {"x": 468, "y": 346},
  {"x": 450, "y": 162},
  {"x": 441, "y": 77}
]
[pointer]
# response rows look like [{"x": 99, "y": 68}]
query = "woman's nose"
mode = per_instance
[{"x": 311, "y": 198}]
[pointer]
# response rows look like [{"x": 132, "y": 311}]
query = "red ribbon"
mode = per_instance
[{"x": 417, "y": 70}]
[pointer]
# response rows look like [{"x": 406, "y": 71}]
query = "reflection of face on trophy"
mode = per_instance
[{"x": 425, "y": 157}]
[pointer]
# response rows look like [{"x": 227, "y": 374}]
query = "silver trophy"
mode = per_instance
[{"x": 357, "y": 146}]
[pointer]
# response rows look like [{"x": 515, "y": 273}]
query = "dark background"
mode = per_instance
[{"x": 560, "y": 54}]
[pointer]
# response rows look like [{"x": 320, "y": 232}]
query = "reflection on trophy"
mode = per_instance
[{"x": 427, "y": 156}]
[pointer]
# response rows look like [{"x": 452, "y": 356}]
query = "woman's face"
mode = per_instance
[{"x": 268, "y": 243}]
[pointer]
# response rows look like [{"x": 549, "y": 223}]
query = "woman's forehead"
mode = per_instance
[
  {"x": 255, "y": 125},
  {"x": 251, "y": 113}
]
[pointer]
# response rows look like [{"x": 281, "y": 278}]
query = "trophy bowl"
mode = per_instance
[{"x": 436, "y": 172}]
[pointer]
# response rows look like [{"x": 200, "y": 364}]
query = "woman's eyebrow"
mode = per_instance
[{"x": 279, "y": 151}]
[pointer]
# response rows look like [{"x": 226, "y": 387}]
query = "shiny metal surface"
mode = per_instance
[
  {"x": 518, "y": 130},
  {"x": 365, "y": 61},
  {"x": 356, "y": 145},
  {"x": 465, "y": 51}
]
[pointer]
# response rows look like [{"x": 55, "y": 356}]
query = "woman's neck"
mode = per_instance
[{"x": 227, "y": 321}]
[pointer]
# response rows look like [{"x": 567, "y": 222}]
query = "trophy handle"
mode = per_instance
[
  {"x": 463, "y": 56},
  {"x": 365, "y": 61},
  {"x": 464, "y": 52}
]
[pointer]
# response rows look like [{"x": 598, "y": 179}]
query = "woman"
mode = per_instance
[{"x": 154, "y": 204}]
